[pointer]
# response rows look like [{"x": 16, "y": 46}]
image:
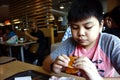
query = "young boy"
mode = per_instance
[{"x": 98, "y": 53}]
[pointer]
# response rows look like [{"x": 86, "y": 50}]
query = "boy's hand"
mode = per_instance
[
  {"x": 88, "y": 68},
  {"x": 60, "y": 63}
]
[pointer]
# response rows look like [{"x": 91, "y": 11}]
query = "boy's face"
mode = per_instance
[{"x": 86, "y": 32}]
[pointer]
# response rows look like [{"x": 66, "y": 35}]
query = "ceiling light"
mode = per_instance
[
  {"x": 60, "y": 18},
  {"x": 61, "y": 7},
  {"x": 2, "y": 24},
  {"x": 51, "y": 17}
]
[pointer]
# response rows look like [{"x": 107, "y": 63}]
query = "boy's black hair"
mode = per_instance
[
  {"x": 82, "y": 9},
  {"x": 115, "y": 15}
]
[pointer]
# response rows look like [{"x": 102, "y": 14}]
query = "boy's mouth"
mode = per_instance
[{"x": 81, "y": 40}]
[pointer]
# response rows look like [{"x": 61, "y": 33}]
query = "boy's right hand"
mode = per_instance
[{"x": 60, "y": 63}]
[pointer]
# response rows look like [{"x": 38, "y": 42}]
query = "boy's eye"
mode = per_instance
[
  {"x": 88, "y": 27},
  {"x": 74, "y": 27}
]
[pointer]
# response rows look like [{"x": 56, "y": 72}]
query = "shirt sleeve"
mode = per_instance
[
  {"x": 115, "y": 55},
  {"x": 67, "y": 34},
  {"x": 111, "y": 46},
  {"x": 66, "y": 48}
]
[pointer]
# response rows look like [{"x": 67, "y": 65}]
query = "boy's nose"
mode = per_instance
[{"x": 81, "y": 32}]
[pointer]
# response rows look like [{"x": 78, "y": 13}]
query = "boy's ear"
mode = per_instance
[{"x": 101, "y": 25}]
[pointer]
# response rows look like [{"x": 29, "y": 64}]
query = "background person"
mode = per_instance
[
  {"x": 8, "y": 33},
  {"x": 36, "y": 35},
  {"x": 106, "y": 21},
  {"x": 96, "y": 52},
  {"x": 114, "y": 22},
  {"x": 9, "y": 36}
]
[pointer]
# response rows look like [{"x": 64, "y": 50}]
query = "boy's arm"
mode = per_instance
[
  {"x": 47, "y": 64},
  {"x": 48, "y": 61}
]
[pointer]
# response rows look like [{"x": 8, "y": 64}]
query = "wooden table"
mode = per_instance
[
  {"x": 11, "y": 68},
  {"x": 18, "y": 44}
]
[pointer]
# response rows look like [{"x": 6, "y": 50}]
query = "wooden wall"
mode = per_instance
[
  {"x": 48, "y": 32},
  {"x": 112, "y": 3},
  {"x": 28, "y": 9}
]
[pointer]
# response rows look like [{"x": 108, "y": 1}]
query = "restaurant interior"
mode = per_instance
[
  {"x": 51, "y": 18},
  {"x": 48, "y": 13}
]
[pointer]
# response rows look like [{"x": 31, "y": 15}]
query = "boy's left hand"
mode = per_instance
[{"x": 87, "y": 68}]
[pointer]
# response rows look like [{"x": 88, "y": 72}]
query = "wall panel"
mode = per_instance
[{"x": 37, "y": 9}]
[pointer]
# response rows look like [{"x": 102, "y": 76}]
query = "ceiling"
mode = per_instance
[
  {"x": 56, "y": 4},
  {"x": 3, "y": 9},
  {"x": 3, "y": 2},
  {"x": 56, "y": 7}
]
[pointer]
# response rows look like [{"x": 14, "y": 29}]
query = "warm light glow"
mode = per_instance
[
  {"x": 7, "y": 22},
  {"x": 1, "y": 24},
  {"x": 16, "y": 21}
]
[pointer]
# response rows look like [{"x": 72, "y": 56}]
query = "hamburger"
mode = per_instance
[{"x": 71, "y": 69}]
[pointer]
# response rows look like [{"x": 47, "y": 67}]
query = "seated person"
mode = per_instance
[
  {"x": 114, "y": 22},
  {"x": 97, "y": 54},
  {"x": 9, "y": 36},
  {"x": 9, "y": 33},
  {"x": 36, "y": 35},
  {"x": 106, "y": 21}
]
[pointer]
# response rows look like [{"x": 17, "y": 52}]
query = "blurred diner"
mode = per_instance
[
  {"x": 10, "y": 37},
  {"x": 8, "y": 33},
  {"x": 114, "y": 22},
  {"x": 106, "y": 21},
  {"x": 35, "y": 51}
]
